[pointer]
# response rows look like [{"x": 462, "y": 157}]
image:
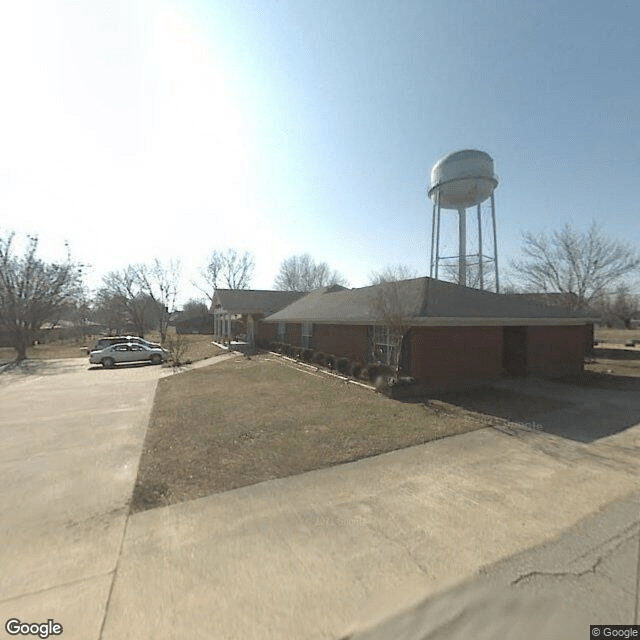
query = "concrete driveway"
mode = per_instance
[
  {"x": 71, "y": 439},
  {"x": 303, "y": 557}
]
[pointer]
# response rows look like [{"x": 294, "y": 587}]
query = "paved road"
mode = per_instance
[
  {"x": 303, "y": 557},
  {"x": 590, "y": 575}
]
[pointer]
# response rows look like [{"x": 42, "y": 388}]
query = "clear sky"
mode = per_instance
[{"x": 136, "y": 129}]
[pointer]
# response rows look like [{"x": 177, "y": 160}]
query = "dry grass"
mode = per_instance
[
  {"x": 245, "y": 421},
  {"x": 65, "y": 349},
  {"x": 199, "y": 347},
  {"x": 616, "y": 336},
  {"x": 613, "y": 367}
]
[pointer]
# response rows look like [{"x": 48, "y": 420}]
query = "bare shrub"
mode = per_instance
[{"x": 178, "y": 346}]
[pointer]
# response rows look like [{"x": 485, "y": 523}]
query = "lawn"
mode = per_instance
[
  {"x": 616, "y": 336},
  {"x": 244, "y": 421}
]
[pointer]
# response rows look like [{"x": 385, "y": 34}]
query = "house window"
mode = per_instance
[
  {"x": 384, "y": 345},
  {"x": 307, "y": 335},
  {"x": 282, "y": 331}
]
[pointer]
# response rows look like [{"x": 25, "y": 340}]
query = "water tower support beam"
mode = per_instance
[
  {"x": 433, "y": 237},
  {"x": 437, "y": 233},
  {"x": 480, "y": 260},
  {"x": 495, "y": 241},
  {"x": 462, "y": 237}
]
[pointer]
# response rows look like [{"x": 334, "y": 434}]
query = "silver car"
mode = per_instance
[{"x": 128, "y": 352}]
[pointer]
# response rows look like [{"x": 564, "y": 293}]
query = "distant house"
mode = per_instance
[
  {"x": 455, "y": 334},
  {"x": 237, "y": 311}
]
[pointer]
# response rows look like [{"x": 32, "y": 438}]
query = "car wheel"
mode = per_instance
[
  {"x": 108, "y": 363},
  {"x": 156, "y": 359}
]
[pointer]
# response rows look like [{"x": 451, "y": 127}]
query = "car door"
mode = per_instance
[
  {"x": 122, "y": 353},
  {"x": 138, "y": 352}
]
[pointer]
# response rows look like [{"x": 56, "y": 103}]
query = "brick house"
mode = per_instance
[
  {"x": 237, "y": 311},
  {"x": 455, "y": 335}
]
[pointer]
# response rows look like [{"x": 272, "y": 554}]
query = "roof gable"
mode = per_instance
[{"x": 253, "y": 300}]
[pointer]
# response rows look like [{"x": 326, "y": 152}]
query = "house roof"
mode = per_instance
[
  {"x": 427, "y": 302},
  {"x": 253, "y": 300},
  {"x": 550, "y": 299}
]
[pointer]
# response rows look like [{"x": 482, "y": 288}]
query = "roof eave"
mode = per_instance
[{"x": 447, "y": 321}]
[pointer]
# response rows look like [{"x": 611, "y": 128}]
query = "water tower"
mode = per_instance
[{"x": 459, "y": 181}]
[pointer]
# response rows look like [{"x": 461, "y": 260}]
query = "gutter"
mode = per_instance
[{"x": 450, "y": 321}]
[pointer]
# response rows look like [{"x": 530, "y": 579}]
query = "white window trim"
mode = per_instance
[
  {"x": 307, "y": 335},
  {"x": 383, "y": 342},
  {"x": 282, "y": 331}
]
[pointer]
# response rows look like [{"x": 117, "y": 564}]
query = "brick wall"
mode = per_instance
[
  {"x": 266, "y": 331},
  {"x": 269, "y": 331},
  {"x": 450, "y": 356},
  {"x": 349, "y": 341},
  {"x": 556, "y": 351},
  {"x": 294, "y": 334}
]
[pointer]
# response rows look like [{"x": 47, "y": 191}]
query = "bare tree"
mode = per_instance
[
  {"x": 238, "y": 269},
  {"x": 129, "y": 302},
  {"x": 194, "y": 308},
  {"x": 393, "y": 317},
  {"x": 140, "y": 297},
  {"x": 626, "y": 306},
  {"x": 79, "y": 313},
  {"x": 451, "y": 273},
  {"x": 33, "y": 291},
  {"x": 110, "y": 311},
  {"x": 620, "y": 306},
  {"x": 159, "y": 281},
  {"x": 302, "y": 273},
  {"x": 584, "y": 264},
  {"x": 210, "y": 276},
  {"x": 392, "y": 273},
  {"x": 230, "y": 269}
]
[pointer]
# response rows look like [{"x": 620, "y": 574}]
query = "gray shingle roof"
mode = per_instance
[
  {"x": 426, "y": 301},
  {"x": 254, "y": 300}
]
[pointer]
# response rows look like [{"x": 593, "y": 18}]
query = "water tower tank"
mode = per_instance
[
  {"x": 463, "y": 179},
  {"x": 459, "y": 181}
]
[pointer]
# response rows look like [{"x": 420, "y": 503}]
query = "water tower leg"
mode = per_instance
[
  {"x": 495, "y": 241},
  {"x": 462, "y": 259},
  {"x": 480, "y": 265},
  {"x": 433, "y": 238},
  {"x": 437, "y": 233}
]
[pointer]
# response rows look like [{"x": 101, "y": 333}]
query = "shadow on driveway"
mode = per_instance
[
  {"x": 122, "y": 365},
  {"x": 583, "y": 412},
  {"x": 35, "y": 367}
]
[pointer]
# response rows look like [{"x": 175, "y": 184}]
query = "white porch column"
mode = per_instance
[{"x": 250, "y": 335}]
